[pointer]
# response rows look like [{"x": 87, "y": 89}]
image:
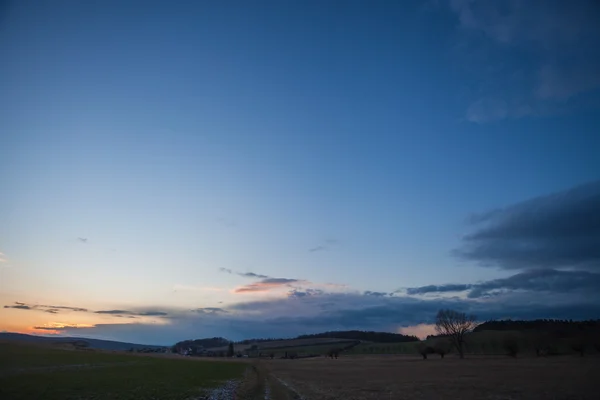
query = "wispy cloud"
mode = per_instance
[
  {"x": 82, "y": 240},
  {"x": 210, "y": 310},
  {"x": 560, "y": 40},
  {"x": 151, "y": 313},
  {"x": 325, "y": 246},
  {"x": 57, "y": 326},
  {"x": 47, "y": 308},
  {"x": 267, "y": 285},
  {"x": 243, "y": 274},
  {"x": 52, "y": 309}
]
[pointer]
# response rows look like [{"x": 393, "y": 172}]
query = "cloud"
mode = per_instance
[
  {"x": 377, "y": 294},
  {"x": 541, "y": 280},
  {"x": 561, "y": 64},
  {"x": 291, "y": 316},
  {"x": 133, "y": 313},
  {"x": 560, "y": 230},
  {"x": 266, "y": 285},
  {"x": 47, "y": 308},
  {"x": 82, "y": 240},
  {"x": 299, "y": 293},
  {"x": 210, "y": 310},
  {"x": 56, "y": 327},
  {"x": 52, "y": 309},
  {"x": 438, "y": 289},
  {"x": 487, "y": 110},
  {"x": 2, "y": 257},
  {"x": 19, "y": 307},
  {"x": 325, "y": 246},
  {"x": 44, "y": 328},
  {"x": 243, "y": 274},
  {"x": 251, "y": 275}
]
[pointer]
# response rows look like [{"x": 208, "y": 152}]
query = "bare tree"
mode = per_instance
[{"x": 454, "y": 325}]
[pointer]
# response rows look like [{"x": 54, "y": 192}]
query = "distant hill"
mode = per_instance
[
  {"x": 369, "y": 336},
  {"x": 80, "y": 342}
]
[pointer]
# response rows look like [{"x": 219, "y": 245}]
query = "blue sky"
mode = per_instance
[{"x": 151, "y": 154}]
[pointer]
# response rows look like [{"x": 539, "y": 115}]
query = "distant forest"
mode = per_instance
[
  {"x": 560, "y": 327},
  {"x": 370, "y": 336},
  {"x": 205, "y": 343}
]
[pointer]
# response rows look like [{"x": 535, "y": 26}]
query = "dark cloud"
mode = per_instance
[
  {"x": 377, "y": 294},
  {"x": 438, "y": 289},
  {"x": 82, "y": 240},
  {"x": 150, "y": 314},
  {"x": 133, "y": 313},
  {"x": 76, "y": 309},
  {"x": 46, "y": 308},
  {"x": 298, "y": 293},
  {"x": 561, "y": 230},
  {"x": 45, "y": 328},
  {"x": 310, "y": 314},
  {"x": 19, "y": 307},
  {"x": 540, "y": 280},
  {"x": 111, "y": 312}
]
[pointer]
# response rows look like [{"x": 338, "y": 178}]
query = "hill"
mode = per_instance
[{"x": 79, "y": 342}]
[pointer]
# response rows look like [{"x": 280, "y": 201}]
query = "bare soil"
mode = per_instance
[{"x": 403, "y": 377}]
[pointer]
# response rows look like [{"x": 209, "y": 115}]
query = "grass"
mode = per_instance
[{"x": 29, "y": 372}]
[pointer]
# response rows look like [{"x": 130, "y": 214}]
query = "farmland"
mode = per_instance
[
  {"x": 42, "y": 372},
  {"x": 408, "y": 377},
  {"x": 29, "y": 371}
]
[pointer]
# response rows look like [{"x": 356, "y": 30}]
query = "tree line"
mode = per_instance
[{"x": 369, "y": 336}]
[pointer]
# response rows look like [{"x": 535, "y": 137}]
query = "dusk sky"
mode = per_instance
[{"x": 184, "y": 169}]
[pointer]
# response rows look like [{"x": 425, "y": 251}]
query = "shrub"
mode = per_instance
[{"x": 442, "y": 348}]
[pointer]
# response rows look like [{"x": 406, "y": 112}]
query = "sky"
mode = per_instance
[{"x": 177, "y": 170}]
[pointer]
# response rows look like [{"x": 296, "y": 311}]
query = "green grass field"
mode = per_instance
[{"x": 37, "y": 372}]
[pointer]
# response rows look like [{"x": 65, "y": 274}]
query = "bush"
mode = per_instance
[
  {"x": 442, "y": 347},
  {"x": 424, "y": 350},
  {"x": 511, "y": 346}
]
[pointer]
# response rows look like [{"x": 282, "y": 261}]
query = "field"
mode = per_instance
[
  {"x": 45, "y": 372},
  {"x": 405, "y": 377},
  {"x": 42, "y": 372}
]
